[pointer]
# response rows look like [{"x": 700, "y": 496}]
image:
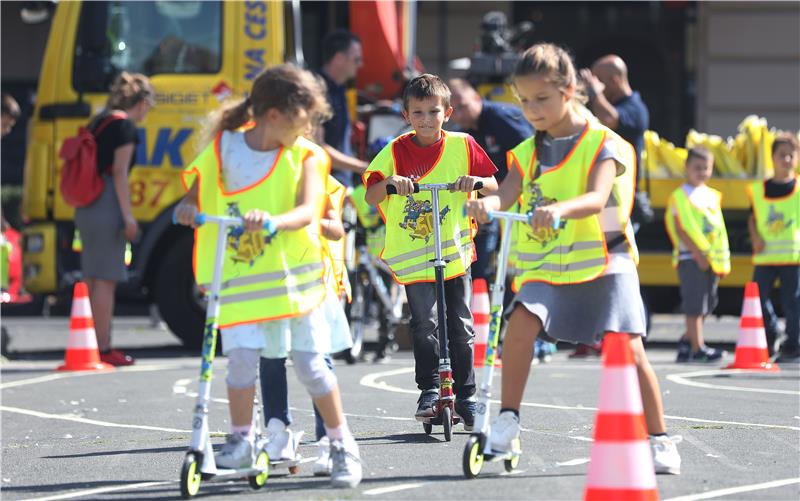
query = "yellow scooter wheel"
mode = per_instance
[
  {"x": 262, "y": 461},
  {"x": 190, "y": 476},
  {"x": 472, "y": 461},
  {"x": 511, "y": 464}
]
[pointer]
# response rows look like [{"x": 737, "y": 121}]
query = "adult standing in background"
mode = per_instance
[
  {"x": 108, "y": 222},
  {"x": 341, "y": 59},
  {"x": 497, "y": 128}
]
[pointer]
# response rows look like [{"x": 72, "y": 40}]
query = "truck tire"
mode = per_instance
[{"x": 179, "y": 301}]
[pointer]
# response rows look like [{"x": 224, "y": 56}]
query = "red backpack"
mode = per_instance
[{"x": 81, "y": 183}]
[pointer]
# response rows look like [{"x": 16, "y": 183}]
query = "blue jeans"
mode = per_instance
[
  {"x": 485, "y": 245},
  {"x": 275, "y": 392},
  {"x": 789, "y": 276}
]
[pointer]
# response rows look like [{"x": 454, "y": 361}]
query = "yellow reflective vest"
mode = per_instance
[
  {"x": 778, "y": 223},
  {"x": 409, "y": 247},
  {"x": 263, "y": 278},
  {"x": 370, "y": 219},
  {"x": 339, "y": 282},
  {"x": 705, "y": 226},
  {"x": 576, "y": 252}
]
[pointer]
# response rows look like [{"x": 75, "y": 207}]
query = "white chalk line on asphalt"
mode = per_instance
[
  {"x": 67, "y": 375},
  {"x": 394, "y": 488},
  {"x": 736, "y": 490},
  {"x": 372, "y": 381},
  {"x": 95, "y": 422},
  {"x": 101, "y": 490},
  {"x": 685, "y": 377}
]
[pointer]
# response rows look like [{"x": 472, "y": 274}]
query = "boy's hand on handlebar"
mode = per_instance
[
  {"x": 185, "y": 214},
  {"x": 254, "y": 220},
  {"x": 404, "y": 185},
  {"x": 478, "y": 210},
  {"x": 465, "y": 184},
  {"x": 545, "y": 216}
]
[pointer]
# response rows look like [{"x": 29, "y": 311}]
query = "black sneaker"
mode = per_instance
[
  {"x": 684, "y": 350},
  {"x": 788, "y": 355},
  {"x": 426, "y": 401},
  {"x": 707, "y": 354},
  {"x": 465, "y": 409}
]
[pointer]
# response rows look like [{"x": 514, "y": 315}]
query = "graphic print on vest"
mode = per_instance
[
  {"x": 776, "y": 223},
  {"x": 418, "y": 218},
  {"x": 543, "y": 235},
  {"x": 247, "y": 246},
  {"x": 708, "y": 231}
]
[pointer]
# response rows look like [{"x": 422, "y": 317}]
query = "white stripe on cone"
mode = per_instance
[
  {"x": 751, "y": 308},
  {"x": 752, "y": 338},
  {"x": 621, "y": 465},
  {"x": 617, "y": 394},
  {"x": 481, "y": 333},
  {"x": 81, "y": 308},
  {"x": 82, "y": 339}
]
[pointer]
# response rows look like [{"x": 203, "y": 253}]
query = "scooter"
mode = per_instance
[
  {"x": 477, "y": 449},
  {"x": 444, "y": 410},
  {"x": 199, "y": 464}
]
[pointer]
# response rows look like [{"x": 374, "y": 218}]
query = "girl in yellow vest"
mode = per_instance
[
  {"x": 701, "y": 252},
  {"x": 576, "y": 281},
  {"x": 273, "y": 279},
  {"x": 775, "y": 232}
]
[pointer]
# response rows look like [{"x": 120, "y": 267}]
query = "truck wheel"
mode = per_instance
[{"x": 179, "y": 301}]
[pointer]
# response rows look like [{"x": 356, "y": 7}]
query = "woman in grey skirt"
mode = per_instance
[
  {"x": 108, "y": 223},
  {"x": 577, "y": 280}
]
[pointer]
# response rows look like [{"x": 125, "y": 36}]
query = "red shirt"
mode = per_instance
[{"x": 413, "y": 161}]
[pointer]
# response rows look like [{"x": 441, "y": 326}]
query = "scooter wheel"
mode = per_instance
[
  {"x": 262, "y": 461},
  {"x": 294, "y": 470},
  {"x": 511, "y": 464},
  {"x": 190, "y": 476},
  {"x": 447, "y": 421},
  {"x": 428, "y": 428},
  {"x": 472, "y": 461}
]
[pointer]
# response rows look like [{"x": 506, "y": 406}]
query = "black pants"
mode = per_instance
[{"x": 461, "y": 336}]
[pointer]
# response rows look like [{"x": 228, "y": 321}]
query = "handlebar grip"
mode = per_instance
[
  {"x": 392, "y": 189},
  {"x": 200, "y": 219},
  {"x": 478, "y": 186}
]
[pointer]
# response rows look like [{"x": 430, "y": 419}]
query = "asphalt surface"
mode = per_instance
[{"x": 123, "y": 434}]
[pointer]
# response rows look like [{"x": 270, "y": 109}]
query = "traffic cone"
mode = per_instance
[
  {"x": 481, "y": 313},
  {"x": 82, "y": 353},
  {"x": 751, "y": 347},
  {"x": 621, "y": 465}
]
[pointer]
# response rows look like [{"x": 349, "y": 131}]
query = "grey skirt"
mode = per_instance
[
  {"x": 101, "y": 226},
  {"x": 582, "y": 313}
]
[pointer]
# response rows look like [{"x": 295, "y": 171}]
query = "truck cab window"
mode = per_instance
[{"x": 156, "y": 37}]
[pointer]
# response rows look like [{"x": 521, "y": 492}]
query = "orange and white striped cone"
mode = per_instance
[
  {"x": 480, "y": 316},
  {"x": 751, "y": 347},
  {"x": 621, "y": 465},
  {"x": 82, "y": 353}
]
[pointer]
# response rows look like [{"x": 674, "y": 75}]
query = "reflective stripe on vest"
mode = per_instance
[
  {"x": 705, "y": 226},
  {"x": 778, "y": 224},
  {"x": 262, "y": 279},
  {"x": 409, "y": 245},
  {"x": 577, "y": 252}
]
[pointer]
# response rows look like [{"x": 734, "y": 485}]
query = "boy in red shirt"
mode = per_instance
[{"x": 431, "y": 155}]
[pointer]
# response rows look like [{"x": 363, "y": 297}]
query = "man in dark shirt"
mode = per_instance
[
  {"x": 341, "y": 59},
  {"x": 497, "y": 128}
]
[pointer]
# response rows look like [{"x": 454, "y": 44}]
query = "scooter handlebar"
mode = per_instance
[
  {"x": 201, "y": 218},
  {"x": 392, "y": 190}
]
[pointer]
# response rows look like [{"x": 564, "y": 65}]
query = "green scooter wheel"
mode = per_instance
[
  {"x": 190, "y": 476},
  {"x": 262, "y": 461},
  {"x": 472, "y": 461}
]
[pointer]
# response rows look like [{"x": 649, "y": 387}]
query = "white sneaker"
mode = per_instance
[
  {"x": 323, "y": 465},
  {"x": 346, "y": 464},
  {"x": 504, "y": 432},
  {"x": 665, "y": 454},
  {"x": 280, "y": 445},
  {"x": 236, "y": 453}
]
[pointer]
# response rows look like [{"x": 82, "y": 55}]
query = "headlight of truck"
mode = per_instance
[{"x": 34, "y": 243}]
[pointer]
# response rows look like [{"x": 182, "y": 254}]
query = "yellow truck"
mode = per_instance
[{"x": 197, "y": 54}]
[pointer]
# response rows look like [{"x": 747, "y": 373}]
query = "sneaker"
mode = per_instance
[
  {"x": 707, "y": 354},
  {"x": 505, "y": 429},
  {"x": 280, "y": 446},
  {"x": 788, "y": 355},
  {"x": 585, "y": 350},
  {"x": 236, "y": 453},
  {"x": 323, "y": 464},
  {"x": 117, "y": 358},
  {"x": 665, "y": 454},
  {"x": 465, "y": 409},
  {"x": 426, "y": 401},
  {"x": 684, "y": 350},
  {"x": 346, "y": 464}
]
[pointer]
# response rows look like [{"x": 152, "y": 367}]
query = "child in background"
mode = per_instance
[
  {"x": 700, "y": 252},
  {"x": 774, "y": 226},
  {"x": 273, "y": 278},
  {"x": 431, "y": 155},
  {"x": 578, "y": 281}
]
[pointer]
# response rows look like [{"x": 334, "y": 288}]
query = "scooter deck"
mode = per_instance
[
  {"x": 291, "y": 464},
  {"x": 436, "y": 420}
]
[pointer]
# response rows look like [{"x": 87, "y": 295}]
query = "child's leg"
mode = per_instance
[
  {"x": 650, "y": 389},
  {"x": 523, "y": 328},
  {"x": 274, "y": 390},
  {"x": 422, "y": 304},
  {"x": 242, "y": 374},
  {"x": 694, "y": 331},
  {"x": 321, "y": 384},
  {"x": 765, "y": 277},
  {"x": 319, "y": 423},
  {"x": 790, "y": 300},
  {"x": 461, "y": 334}
]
